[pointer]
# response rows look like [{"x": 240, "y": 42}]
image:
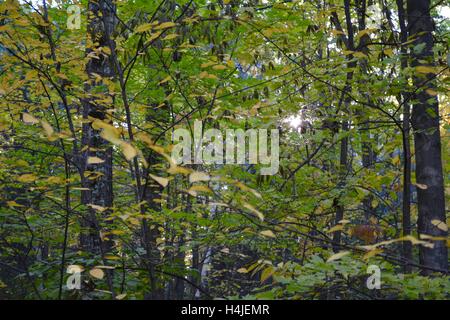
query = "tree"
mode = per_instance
[{"x": 425, "y": 123}]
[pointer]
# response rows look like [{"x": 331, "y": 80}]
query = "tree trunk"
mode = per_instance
[
  {"x": 97, "y": 178},
  {"x": 406, "y": 214},
  {"x": 425, "y": 123}
]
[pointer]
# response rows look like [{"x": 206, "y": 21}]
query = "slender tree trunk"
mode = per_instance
[
  {"x": 97, "y": 178},
  {"x": 406, "y": 215},
  {"x": 427, "y": 141},
  {"x": 367, "y": 153},
  {"x": 343, "y": 160}
]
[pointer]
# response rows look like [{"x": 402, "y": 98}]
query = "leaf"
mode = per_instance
[
  {"x": 170, "y": 36},
  {"x": 431, "y": 92},
  {"x": 336, "y": 32},
  {"x": 29, "y": 119},
  {"x": 143, "y": 27},
  {"x": 338, "y": 255},
  {"x": 162, "y": 181},
  {"x": 94, "y": 160},
  {"x": 168, "y": 78},
  {"x": 425, "y": 69},
  {"x": 268, "y": 233},
  {"x": 111, "y": 257},
  {"x": 194, "y": 189},
  {"x": 219, "y": 67},
  {"x": 97, "y": 273},
  {"x": 421, "y": 186},
  {"x": 47, "y": 129},
  {"x": 256, "y": 212},
  {"x": 13, "y": 204},
  {"x": 198, "y": 176},
  {"x": 97, "y": 207},
  {"x": 128, "y": 150},
  {"x": 75, "y": 267},
  {"x": 364, "y": 32},
  {"x": 359, "y": 54},
  {"x": 439, "y": 224},
  {"x": 28, "y": 177},
  {"x": 267, "y": 273},
  {"x": 165, "y": 25},
  {"x": 121, "y": 296},
  {"x": 372, "y": 253},
  {"x": 337, "y": 227},
  {"x": 242, "y": 270},
  {"x": 105, "y": 267}
]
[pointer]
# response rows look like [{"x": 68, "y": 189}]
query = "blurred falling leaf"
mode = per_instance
[
  {"x": 97, "y": 273},
  {"x": 338, "y": 255}
]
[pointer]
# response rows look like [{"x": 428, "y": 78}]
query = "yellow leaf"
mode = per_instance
[
  {"x": 165, "y": 25},
  {"x": 425, "y": 69},
  {"x": 55, "y": 180},
  {"x": 267, "y": 273},
  {"x": 364, "y": 32},
  {"x": 168, "y": 78},
  {"x": 194, "y": 189},
  {"x": 143, "y": 27},
  {"x": 337, "y": 227},
  {"x": 256, "y": 212},
  {"x": 338, "y": 256},
  {"x": 111, "y": 257},
  {"x": 76, "y": 267},
  {"x": 359, "y": 54},
  {"x": 439, "y": 224},
  {"x": 47, "y": 128},
  {"x": 94, "y": 160},
  {"x": 170, "y": 36},
  {"x": 28, "y": 177},
  {"x": 388, "y": 52},
  {"x": 96, "y": 207},
  {"x": 121, "y": 296},
  {"x": 242, "y": 270},
  {"x": 372, "y": 253},
  {"x": 421, "y": 186},
  {"x": 336, "y": 32},
  {"x": 174, "y": 169},
  {"x": 13, "y": 204},
  {"x": 431, "y": 92},
  {"x": 268, "y": 233},
  {"x": 128, "y": 150},
  {"x": 198, "y": 176},
  {"x": 162, "y": 181},
  {"x": 29, "y": 119},
  {"x": 153, "y": 36},
  {"x": 97, "y": 273},
  {"x": 219, "y": 67},
  {"x": 207, "y": 64}
]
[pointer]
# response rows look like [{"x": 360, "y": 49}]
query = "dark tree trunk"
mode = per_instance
[
  {"x": 97, "y": 178},
  {"x": 343, "y": 160},
  {"x": 406, "y": 214},
  {"x": 425, "y": 123}
]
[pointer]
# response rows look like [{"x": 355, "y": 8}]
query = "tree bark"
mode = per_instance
[
  {"x": 427, "y": 141},
  {"x": 406, "y": 209},
  {"x": 97, "y": 178}
]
